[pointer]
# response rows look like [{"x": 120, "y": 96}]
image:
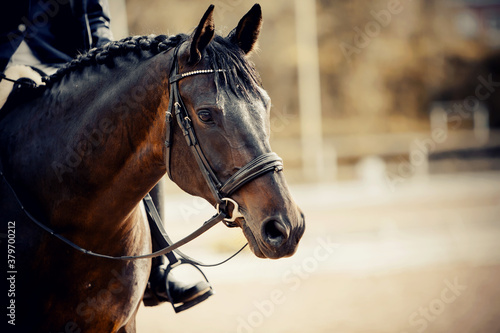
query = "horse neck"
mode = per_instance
[{"x": 109, "y": 151}]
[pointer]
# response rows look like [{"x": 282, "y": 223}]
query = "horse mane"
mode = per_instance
[
  {"x": 106, "y": 54},
  {"x": 243, "y": 78},
  {"x": 239, "y": 73},
  {"x": 222, "y": 54}
]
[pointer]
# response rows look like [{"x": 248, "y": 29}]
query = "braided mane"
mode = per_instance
[
  {"x": 243, "y": 79},
  {"x": 108, "y": 52}
]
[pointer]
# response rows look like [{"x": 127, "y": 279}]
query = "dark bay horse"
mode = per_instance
[{"x": 82, "y": 152}]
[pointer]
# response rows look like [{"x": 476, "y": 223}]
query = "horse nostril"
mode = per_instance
[{"x": 275, "y": 232}]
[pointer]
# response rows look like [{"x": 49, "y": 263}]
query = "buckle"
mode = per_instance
[{"x": 229, "y": 221}]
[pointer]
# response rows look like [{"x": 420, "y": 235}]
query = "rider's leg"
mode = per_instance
[{"x": 162, "y": 282}]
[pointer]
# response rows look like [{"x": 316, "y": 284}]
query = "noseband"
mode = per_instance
[{"x": 220, "y": 191}]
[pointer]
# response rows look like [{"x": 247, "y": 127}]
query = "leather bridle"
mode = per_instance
[{"x": 221, "y": 191}]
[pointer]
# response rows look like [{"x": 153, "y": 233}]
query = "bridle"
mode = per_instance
[{"x": 221, "y": 192}]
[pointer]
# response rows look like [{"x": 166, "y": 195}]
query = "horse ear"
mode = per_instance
[
  {"x": 202, "y": 36},
  {"x": 245, "y": 35}
]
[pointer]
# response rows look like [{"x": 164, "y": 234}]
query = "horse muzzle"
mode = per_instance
[{"x": 278, "y": 238}]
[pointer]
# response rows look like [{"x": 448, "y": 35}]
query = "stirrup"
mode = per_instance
[{"x": 184, "y": 306}]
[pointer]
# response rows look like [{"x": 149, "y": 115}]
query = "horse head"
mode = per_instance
[{"x": 229, "y": 112}]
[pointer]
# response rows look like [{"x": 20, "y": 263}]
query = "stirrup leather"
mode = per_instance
[{"x": 156, "y": 226}]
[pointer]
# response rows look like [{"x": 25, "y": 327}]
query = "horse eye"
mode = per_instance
[{"x": 205, "y": 116}]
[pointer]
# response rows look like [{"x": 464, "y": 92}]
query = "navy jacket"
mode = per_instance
[{"x": 55, "y": 30}]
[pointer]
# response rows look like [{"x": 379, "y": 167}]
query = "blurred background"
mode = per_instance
[{"x": 387, "y": 116}]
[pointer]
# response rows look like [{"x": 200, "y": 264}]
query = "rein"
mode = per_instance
[
  {"x": 22, "y": 81},
  {"x": 207, "y": 225},
  {"x": 221, "y": 191},
  {"x": 3, "y": 77}
]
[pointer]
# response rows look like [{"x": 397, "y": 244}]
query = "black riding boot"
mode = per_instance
[{"x": 164, "y": 287}]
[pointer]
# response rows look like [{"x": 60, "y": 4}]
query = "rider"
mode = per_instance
[{"x": 45, "y": 34}]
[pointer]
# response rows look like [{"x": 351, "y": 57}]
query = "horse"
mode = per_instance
[{"x": 80, "y": 153}]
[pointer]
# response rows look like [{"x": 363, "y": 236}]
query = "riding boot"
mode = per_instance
[{"x": 164, "y": 287}]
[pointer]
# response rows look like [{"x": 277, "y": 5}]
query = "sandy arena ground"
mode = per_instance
[{"x": 421, "y": 257}]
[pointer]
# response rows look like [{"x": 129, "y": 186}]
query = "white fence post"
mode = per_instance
[{"x": 309, "y": 90}]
